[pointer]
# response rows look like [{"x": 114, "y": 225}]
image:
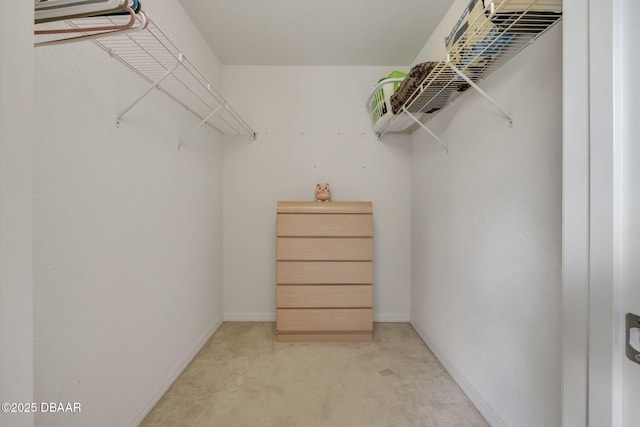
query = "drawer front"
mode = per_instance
[
  {"x": 324, "y": 249},
  {"x": 320, "y": 336},
  {"x": 324, "y": 272},
  {"x": 349, "y": 225},
  {"x": 329, "y": 296},
  {"x": 324, "y": 320},
  {"x": 325, "y": 207}
]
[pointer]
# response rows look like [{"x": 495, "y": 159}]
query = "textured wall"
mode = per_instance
[
  {"x": 127, "y": 233},
  {"x": 313, "y": 127},
  {"x": 486, "y": 239},
  {"x": 16, "y": 145}
]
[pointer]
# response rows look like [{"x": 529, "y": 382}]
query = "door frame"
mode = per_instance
[{"x": 591, "y": 224}]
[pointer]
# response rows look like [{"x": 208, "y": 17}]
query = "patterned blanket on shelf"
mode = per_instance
[{"x": 408, "y": 87}]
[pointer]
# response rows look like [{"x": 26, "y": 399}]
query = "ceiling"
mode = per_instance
[{"x": 320, "y": 32}]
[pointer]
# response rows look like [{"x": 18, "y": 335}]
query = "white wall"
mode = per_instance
[
  {"x": 16, "y": 145},
  {"x": 313, "y": 127},
  {"x": 127, "y": 232},
  {"x": 486, "y": 247}
]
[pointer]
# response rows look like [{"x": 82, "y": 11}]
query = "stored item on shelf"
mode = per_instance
[
  {"x": 475, "y": 42},
  {"x": 407, "y": 90},
  {"x": 522, "y": 17},
  {"x": 380, "y": 105}
]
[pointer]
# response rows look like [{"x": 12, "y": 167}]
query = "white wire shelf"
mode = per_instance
[
  {"x": 480, "y": 43},
  {"x": 155, "y": 58}
]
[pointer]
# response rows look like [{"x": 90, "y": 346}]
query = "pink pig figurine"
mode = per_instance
[{"x": 323, "y": 193}]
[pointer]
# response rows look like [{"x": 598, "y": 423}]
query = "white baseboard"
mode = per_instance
[
  {"x": 391, "y": 317},
  {"x": 482, "y": 405},
  {"x": 250, "y": 317},
  {"x": 175, "y": 373}
]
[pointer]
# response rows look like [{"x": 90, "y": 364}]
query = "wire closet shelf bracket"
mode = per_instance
[{"x": 154, "y": 57}]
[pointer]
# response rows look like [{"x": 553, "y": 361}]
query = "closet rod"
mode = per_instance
[
  {"x": 147, "y": 51},
  {"x": 487, "y": 35},
  {"x": 152, "y": 54}
]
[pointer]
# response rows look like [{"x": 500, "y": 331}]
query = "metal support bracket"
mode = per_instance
[
  {"x": 415, "y": 119},
  {"x": 188, "y": 135},
  {"x": 482, "y": 92},
  {"x": 146, "y": 92}
]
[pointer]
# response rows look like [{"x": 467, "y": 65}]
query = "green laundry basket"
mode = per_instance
[{"x": 380, "y": 102}]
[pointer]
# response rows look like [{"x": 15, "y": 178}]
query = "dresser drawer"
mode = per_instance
[
  {"x": 324, "y": 272},
  {"x": 322, "y": 336},
  {"x": 324, "y": 320},
  {"x": 325, "y": 207},
  {"x": 348, "y": 225},
  {"x": 324, "y": 249},
  {"x": 328, "y": 296}
]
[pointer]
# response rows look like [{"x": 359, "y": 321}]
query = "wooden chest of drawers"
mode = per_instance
[{"x": 324, "y": 271}]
